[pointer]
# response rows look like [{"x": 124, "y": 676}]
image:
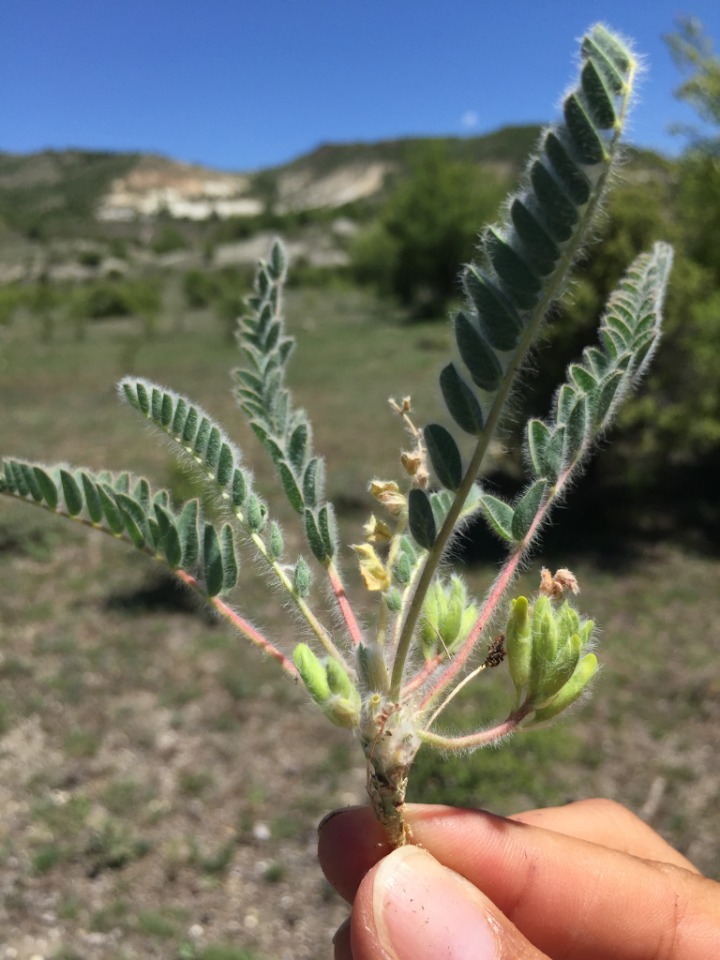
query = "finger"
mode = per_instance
[
  {"x": 350, "y": 842},
  {"x": 608, "y": 824},
  {"x": 574, "y": 899},
  {"x": 410, "y": 907},
  {"x": 341, "y": 942}
]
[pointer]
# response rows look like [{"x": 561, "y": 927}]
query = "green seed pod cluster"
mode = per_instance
[
  {"x": 447, "y": 617},
  {"x": 544, "y": 646},
  {"x": 330, "y": 687}
]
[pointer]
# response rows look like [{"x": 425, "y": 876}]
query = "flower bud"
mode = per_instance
[
  {"x": 371, "y": 667},
  {"x": 570, "y": 692},
  {"x": 518, "y": 642},
  {"x": 302, "y": 578},
  {"x": 312, "y": 673},
  {"x": 343, "y": 707},
  {"x": 544, "y": 643},
  {"x": 561, "y": 669},
  {"x": 447, "y": 617}
]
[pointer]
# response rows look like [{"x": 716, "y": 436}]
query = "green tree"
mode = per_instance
[
  {"x": 692, "y": 51},
  {"x": 427, "y": 226}
]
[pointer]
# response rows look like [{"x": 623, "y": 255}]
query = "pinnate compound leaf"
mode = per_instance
[
  {"x": 444, "y": 455},
  {"x": 421, "y": 519},
  {"x": 461, "y": 401},
  {"x": 527, "y": 508}
]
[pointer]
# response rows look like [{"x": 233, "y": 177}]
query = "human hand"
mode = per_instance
[{"x": 588, "y": 881}]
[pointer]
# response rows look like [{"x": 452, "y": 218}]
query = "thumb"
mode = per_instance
[{"x": 410, "y": 907}]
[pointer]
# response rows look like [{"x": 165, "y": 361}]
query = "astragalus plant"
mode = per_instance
[{"x": 390, "y": 676}]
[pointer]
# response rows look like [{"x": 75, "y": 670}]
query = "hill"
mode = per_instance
[{"x": 67, "y": 213}]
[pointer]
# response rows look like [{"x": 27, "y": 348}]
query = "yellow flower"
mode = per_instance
[{"x": 374, "y": 573}]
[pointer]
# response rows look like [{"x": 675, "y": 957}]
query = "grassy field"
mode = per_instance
[{"x": 160, "y": 785}]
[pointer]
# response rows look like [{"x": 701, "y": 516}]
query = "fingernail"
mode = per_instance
[{"x": 425, "y": 911}]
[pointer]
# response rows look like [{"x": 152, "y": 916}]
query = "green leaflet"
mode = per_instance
[
  {"x": 597, "y": 96},
  {"x": 229, "y": 557},
  {"x": 538, "y": 437},
  {"x": 586, "y": 139},
  {"x": 520, "y": 282},
  {"x": 134, "y": 519},
  {"x": 444, "y": 455},
  {"x": 298, "y": 445},
  {"x": 187, "y": 528},
  {"x": 92, "y": 499},
  {"x": 460, "y": 400},
  {"x": 498, "y": 320},
  {"x": 421, "y": 519},
  {"x": 113, "y": 516},
  {"x": 477, "y": 354},
  {"x": 526, "y": 509},
  {"x": 291, "y": 487},
  {"x": 169, "y": 540},
  {"x": 47, "y": 487},
  {"x": 578, "y": 429},
  {"x": 328, "y": 528},
  {"x": 213, "y": 570},
  {"x": 559, "y": 214},
  {"x": 498, "y": 514},
  {"x": 314, "y": 538},
  {"x": 540, "y": 249},
  {"x": 71, "y": 493},
  {"x": 570, "y": 175}
]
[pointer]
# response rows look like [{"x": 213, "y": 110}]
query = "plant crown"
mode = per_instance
[{"x": 393, "y": 682}]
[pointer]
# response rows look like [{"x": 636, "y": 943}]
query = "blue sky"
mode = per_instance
[{"x": 241, "y": 85}]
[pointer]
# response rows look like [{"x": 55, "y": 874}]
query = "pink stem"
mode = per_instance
[
  {"x": 428, "y": 668},
  {"x": 481, "y": 739},
  {"x": 242, "y": 625},
  {"x": 343, "y": 603}
]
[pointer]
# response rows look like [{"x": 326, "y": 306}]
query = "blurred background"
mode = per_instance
[{"x": 160, "y": 784}]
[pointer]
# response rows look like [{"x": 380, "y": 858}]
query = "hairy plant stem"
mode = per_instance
[{"x": 242, "y": 625}]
